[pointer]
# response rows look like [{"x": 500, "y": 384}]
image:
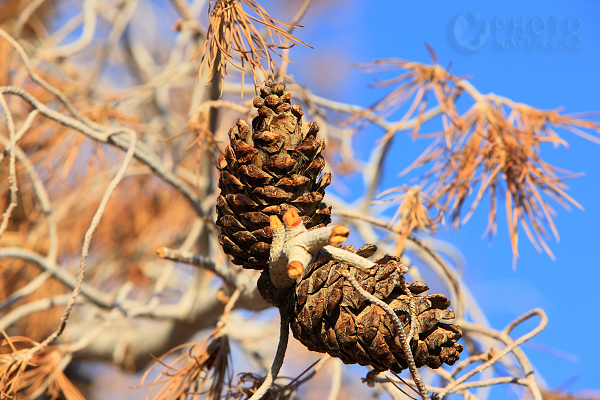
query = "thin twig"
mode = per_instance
[
  {"x": 183, "y": 9},
  {"x": 336, "y": 380},
  {"x": 494, "y": 381},
  {"x": 37, "y": 79},
  {"x": 277, "y": 362},
  {"x": 206, "y": 105},
  {"x": 401, "y": 334},
  {"x": 25, "y": 15},
  {"x": 26, "y": 125},
  {"x": 412, "y": 307},
  {"x": 119, "y": 25},
  {"x": 12, "y": 174},
  {"x": 399, "y": 388},
  {"x": 285, "y": 57},
  {"x": 43, "y": 304},
  {"x": 87, "y": 35},
  {"x": 42, "y": 195},
  {"x": 26, "y": 290},
  {"x": 374, "y": 170},
  {"x": 366, "y": 113},
  {"x": 88, "y": 239},
  {"x": 60, "y": 273},
  {"x": 318, "y": 365},
  {"x": 347, "y": 257},
  {"x": 187, "y": 257},
  {"x": 465, "y": 363},
  {"x": 459, "y": 306},
  {"x": 161, "y": 282},
  {"x": 85, "y": 341},
  {"x": 510, "y": 347}
]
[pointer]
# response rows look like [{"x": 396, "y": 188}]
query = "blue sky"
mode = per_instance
[{"x": 542, "y": 53}]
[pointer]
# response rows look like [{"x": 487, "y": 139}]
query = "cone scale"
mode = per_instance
[
  {"x": 329, "y": 316},
  {"x": 267, "y": 171}
]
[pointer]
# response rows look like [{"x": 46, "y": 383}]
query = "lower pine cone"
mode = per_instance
[{"x": 328, "y": 315}]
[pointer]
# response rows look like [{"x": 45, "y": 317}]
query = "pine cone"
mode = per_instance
[
  {"x": 329, "y": 316},
  {"x": 267, "y": 172}
]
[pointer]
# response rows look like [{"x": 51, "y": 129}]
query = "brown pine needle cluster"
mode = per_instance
[
  {"x": 16, "y": 274},
  {"x": 417, "y": 83},
  {"x": 201, "y": 371},
  {"x": 232, "y": 33},
  {"x": 414, "y": 212},
  {"x": 203, "y": 139},
  {"x": 27, "y": 375},
  {"x": 493, "y": 149},
  {"x": 498, "y": 153}
]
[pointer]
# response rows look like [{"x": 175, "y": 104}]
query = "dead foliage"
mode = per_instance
[
  {"x": 27, "y": 374},
  {"x": 204, "y": 370},
  {"x": 14, "y": 275},
  {"x": 414, "y": 212},
  {"x": 492, "y": 149},
  {"x": 232, "y": 34}
]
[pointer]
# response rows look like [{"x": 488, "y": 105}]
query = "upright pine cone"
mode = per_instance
[
  {"x": 267, "y": 172},
  {"x": 329, "y": 316}
]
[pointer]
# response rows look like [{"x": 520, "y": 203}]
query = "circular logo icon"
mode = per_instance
[{"x": 471, "y": 31}]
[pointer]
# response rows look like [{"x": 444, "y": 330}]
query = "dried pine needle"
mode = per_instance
[
  {"x": 493, "y": 149},
  {"x": 233, "y": 34}
]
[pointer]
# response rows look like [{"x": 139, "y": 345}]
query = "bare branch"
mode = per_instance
[
  {"x": 12, "y": 174},
  {"x": 511, "y": 346},
  {"x": 284, "y": 333},
  {"x": 190, "y": 258}
]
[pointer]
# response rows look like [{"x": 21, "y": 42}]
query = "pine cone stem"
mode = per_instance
[
  {"x": 294, "y": 248},
  {"x": 284, "y": 335},
  {"x": 401, "y": 334},
  {"x": 278, "y": 238},
  {"x": 316, "y": 239},
  {"x": 354, "y": 260}
]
